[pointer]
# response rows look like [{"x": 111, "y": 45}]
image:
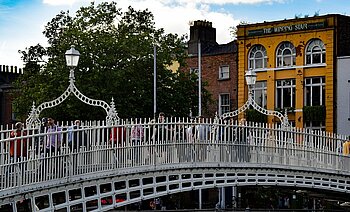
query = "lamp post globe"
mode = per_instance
[
  {"x": 250, "y": 78},
  {"x": 72, "y": 57}
]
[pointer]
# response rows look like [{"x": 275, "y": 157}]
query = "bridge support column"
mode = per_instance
[
  {"x": 14, "y": 206},
  {"x": 234, "y": 196},
  {"x": 200, "y": 198},
  {"x": 222, "y": 202}
]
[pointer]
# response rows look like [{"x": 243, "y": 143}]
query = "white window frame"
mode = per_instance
[
  {"x": 311, "y": 50},
  {"x": 263, "y": 89},
  {"x": 194, "y": 70},
  {"x": 319, "y": 127},
  {"x": 282, "y": 54},
  {"x": 321, "y": 84},
  {"x": 291, "y": 86},
  {"x": 253, "y": 57},
  {"x": 13, "y": 112},
  {"x": 221, "y": 105},
  {"x": 224, "y": 72}
]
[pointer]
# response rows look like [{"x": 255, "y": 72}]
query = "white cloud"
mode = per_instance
[
  {"x": 167, "y": 2},
  {"x": 220, "y": 2},
  {"x": 174, "y": 16},
  {"x": 62, "y": 2}
]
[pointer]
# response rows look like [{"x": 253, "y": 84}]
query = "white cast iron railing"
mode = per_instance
[{"x": 97, "y": 150}]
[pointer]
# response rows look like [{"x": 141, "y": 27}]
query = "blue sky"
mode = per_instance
[{"x": 22, "y": 21}]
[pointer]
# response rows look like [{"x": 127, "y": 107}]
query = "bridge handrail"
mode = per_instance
[{"x": 138, "y": 143}]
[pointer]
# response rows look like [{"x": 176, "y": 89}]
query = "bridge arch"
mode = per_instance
[{"x": 111, "y": 192}]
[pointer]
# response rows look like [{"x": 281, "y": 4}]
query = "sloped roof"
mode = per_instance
[{"x": 228, "y": 48}]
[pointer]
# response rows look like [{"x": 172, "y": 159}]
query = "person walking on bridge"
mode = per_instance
[
  {"x": 346, "y": 152},
  {"x": 242, "y": 141},
  {"x": 202, "y": 139},
  {"x": 76, "y": 136},
  {"x": 136, "y": 141},
  {"x": 18, "y": 148},
  {"x": 161, "y": 136},
  {"x": 54, "y": 137}
]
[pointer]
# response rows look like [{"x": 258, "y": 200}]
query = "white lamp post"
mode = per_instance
[
  {"x": 250, "y": 78},
  {"x": 72, "y": 59}
]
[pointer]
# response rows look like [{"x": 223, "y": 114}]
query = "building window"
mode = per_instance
[
  {"x": 314, "y": 91},
  {"x": 195, "y": 71},
  {"x": 315, "y": 52},
  {"x": 285, "y": 93},
  {"x": 285, "y": 55},
  {"x": 13, "y": 112},
  {"x": 260, "y": 93},
  {"x": 257, "y": 57},
  {"x": 315, "y": 125},
  {"x": 224, "y": 103},
  {"x": 224, "y": 72}
]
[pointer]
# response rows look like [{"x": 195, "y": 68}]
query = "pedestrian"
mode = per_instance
[
  {"x": 270, "y": 146},
  {"x": 117, "y": 135},
  {"x": 190, "y": 138},
  {"x": 54, "y": 137},
  {"x": 346, "y": 148},
  {"x": 160, "y": 137},
  {"x": 136, "y": 139},
  {"x": 18, "y": 147},
  {"x": 202, "y": 130},
  {"x": 76, "y": 136},
  {"x": 202, "y": 139},
  {"x": 117, "y": 138},
  {"x": 41, "y": 139},
  {"x": 242, "y": 141},
  {"x": 346, "y": 152}
]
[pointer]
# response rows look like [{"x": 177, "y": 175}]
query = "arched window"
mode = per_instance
[
  {"x": 315, "y": 52},
  {"x": 257, "y": 57},
  {"x": 285, "y": 55}
]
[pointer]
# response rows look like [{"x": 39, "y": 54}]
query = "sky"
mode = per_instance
[{"x": 22, "y": 21}]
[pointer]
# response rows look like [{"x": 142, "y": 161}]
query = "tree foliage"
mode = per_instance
[
  {"x": 116, "y": 61},
  {"x": 233, "y": 30}
]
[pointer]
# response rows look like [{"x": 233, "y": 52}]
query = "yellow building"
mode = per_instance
[{"x": 295, "y": 62}]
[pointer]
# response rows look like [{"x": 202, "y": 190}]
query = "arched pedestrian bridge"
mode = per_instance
[{"x": 99, "y": 167}]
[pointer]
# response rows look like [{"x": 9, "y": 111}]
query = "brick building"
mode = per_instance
[
  {"x": 218, "y": 66},
  {"x": 296, "y": 65},
  {"x": 8, "y": 75}
]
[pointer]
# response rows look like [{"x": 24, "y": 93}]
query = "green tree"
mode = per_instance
[
  {"x": 233, "y": 30},
  {"x": 116, "y": 61}
]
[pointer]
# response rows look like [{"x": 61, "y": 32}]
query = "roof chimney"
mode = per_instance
[{"x": 204, "y": 32}]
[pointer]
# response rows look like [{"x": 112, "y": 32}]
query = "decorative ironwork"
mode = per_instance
[
  {"x": 270, "y": 149},
  {"x": 33, "y": 120},
  {"x": 251, "y": 102}
]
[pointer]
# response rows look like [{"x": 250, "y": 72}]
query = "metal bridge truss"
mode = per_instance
[{"x": 113, "y": 192}]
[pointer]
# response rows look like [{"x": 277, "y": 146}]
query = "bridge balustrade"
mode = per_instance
[{"x": 95, "y": 150}]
